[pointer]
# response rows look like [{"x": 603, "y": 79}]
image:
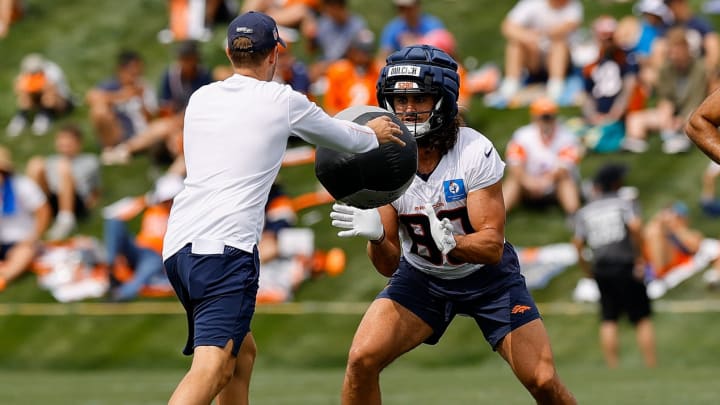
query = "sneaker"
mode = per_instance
[
  {"x": 676, "y": 144},
  {"x": 634, "y": 145},
  {"x": 40, "y": 124},
  {"x": 117, "y": 155},
  {"x": 16, "y": 126},
  {"x": 62, "y": 227}
]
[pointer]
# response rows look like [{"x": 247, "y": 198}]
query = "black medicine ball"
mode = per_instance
[{"x": 370, "y": 179}]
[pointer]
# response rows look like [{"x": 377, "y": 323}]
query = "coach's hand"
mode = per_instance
[
  {"x": 441, "y": 231},
  {"x": 386, "y": 130},
  {"x": 358, "y": 222}
]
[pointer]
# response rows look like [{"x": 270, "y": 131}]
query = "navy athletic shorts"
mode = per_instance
[
  {"x": 218, "y": 292},
  {"x": 498, "y": 307}
]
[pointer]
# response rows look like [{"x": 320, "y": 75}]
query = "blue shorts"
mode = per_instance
[
  {"x": 498, "y": 307},
  {"x": 218, "y": 292}
]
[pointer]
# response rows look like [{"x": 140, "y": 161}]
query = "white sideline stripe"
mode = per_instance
[{"x": 306, "y": 308}]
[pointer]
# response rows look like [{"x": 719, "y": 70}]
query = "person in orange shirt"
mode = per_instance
[
  {"x": 143, "y": 252},
  {"x": 351, "y": 81}
]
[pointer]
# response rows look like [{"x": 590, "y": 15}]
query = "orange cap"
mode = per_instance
[{"x": 543, "y": 106}]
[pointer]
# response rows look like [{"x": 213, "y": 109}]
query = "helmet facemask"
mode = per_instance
[{"x": 419, "y": 129}]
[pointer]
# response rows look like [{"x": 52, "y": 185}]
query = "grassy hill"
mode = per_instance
[{"x": 139, "y": 355}]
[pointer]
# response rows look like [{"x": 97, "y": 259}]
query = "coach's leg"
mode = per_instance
[
  {"x": 237, "y": 391},
  {"x": 386, "y": 331},
  {"x": 645, "y": 335},
  {"x": 610, "y": 343},
  {"x": 211, "y": 370},
  {"x": 527, "y": 350}
]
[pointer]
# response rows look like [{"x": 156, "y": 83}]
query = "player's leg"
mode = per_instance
[
  {"x": 645, "y": 335},
  {"x": 236, "y": 392},
  {"x": 609, "y": 343},
  {"x": 386, "y": 331},
  {"x": 527, "y": 351},
  {"x": 211, "y": 370}
]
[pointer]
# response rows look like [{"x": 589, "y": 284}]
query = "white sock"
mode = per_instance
[
  {"x": 509, "y": 87},
  {"x": 555, "y": 88}
]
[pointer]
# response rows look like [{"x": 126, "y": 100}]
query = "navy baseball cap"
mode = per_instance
[{"x": 259, "y": 28}]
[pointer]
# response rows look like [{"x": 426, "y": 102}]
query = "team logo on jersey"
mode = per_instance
[{"x": 454, "y": 190}]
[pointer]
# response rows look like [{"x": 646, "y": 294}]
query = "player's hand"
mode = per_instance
[
  {"x": 441, "y": 231},
  {"x": 386, "y": 130},
  {"x": 357, "y": 222}
]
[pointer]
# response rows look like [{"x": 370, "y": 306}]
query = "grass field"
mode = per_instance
[{"x": 76, "y": 358}]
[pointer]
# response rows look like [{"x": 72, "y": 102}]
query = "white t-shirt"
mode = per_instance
[
  {"x": 21, "y": 224},
  {"x": 538, "y": 15},
  {"x": 537, "y": 156},
  {"x": 472, "y": 164},
  {"x": 235, "y": 136}
]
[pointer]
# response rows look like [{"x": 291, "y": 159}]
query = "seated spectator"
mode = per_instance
[
  {"x": 444, "y": 39},
  {"x": 336, "y": 28},
  {"x": 10, "y": 11},
  {"x": 542, "y": 160},
  {"x": 187, "y": 21},
  {"x": 682, "y": 87},
  {"x": 162, "y": 139},
  {"x": 24, "y": 216},
  {"x": 709, "y": 202},
  {"x": 297, "y": 14},
  {"x": 351, "y": 81},
  {"x": 122, "y": 106},
  {"x": 609, "y": 84},
  {"x": 182, "y": 78},
  {"x": 292, "y": 71},
  {"x": 69, "y": 178},
  {"x": 407, "y": 27},
  {"x": 669, "y": 239},
  {"x": 142, "y": 252},
  {"x": 41, "y": 92},
  {"x": 537, "y": 34},
  {"x": 702, "y": 37}
]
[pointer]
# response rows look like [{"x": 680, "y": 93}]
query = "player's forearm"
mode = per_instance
[
  {"x": 385, "y": 256},
  {"x": 483, "y": 247},
  {"x": 705, "y": 134}
]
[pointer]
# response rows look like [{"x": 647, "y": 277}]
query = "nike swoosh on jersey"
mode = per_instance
[{"x": 487, "y": 154}]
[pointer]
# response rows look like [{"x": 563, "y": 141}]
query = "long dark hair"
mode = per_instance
[{"x": 445, "y": 138}]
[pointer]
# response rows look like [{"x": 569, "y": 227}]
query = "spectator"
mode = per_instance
[
  {"x": 192, "y": 19},
  {"x": 10, "y": 11},
  {"x": 292, "y": 71},
  {"x": 351, "y": 81},
  {"x": 682, "y": 87},
  {"x": 336, "y": 28},
  {"x": 444, "y": 39},
  {"x": 709, "y": 203},
  {"x": 41, "y": 91},
  {"x": 24, "y": 216},
  {"x": 611, "y": 227},
  {"x": 702, "y": 37},
  {"x": 142, "y": 252},
  {"x": 70, "y": 180},
  {"x": 542, "y": 160},
  {"x": 669, "y": 240},
  {"x": 122, "y": 106},
  {"x": 298, "y": 14},
  {"x": 407, "y": 28},
  {"x": 609, "y": 84},
  {"x": 538, "y": 34},
  {"x": 182, "y": 78}
]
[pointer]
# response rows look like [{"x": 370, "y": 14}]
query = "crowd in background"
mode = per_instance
[{"x": 632, "y": 77}]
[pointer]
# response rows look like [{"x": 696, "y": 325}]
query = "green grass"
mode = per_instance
[{"x": 136, "y": 359}]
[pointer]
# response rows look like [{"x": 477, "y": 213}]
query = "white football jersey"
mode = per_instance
[{"x": 472, "y": 164}]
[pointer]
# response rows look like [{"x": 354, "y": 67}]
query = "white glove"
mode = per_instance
[
  {"x": 358, "y": 222},
  {"x": 441, "y": 231}
]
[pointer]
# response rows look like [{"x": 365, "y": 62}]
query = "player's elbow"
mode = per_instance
[
  {"x": 495, "y": 253},
  {"x": 693, "y": 125}
]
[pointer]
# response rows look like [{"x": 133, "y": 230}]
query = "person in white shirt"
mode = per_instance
[
  {"x": 235, "y": 137},
  {"x": 24, "y": 216},
  {"x": 439, "y": 268},
  {"x": 543, "y": 159}
]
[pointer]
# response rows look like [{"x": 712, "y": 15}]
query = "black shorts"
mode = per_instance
[
  {"x": 81, "y": 210},
  {"x": 497, "y": 311},
  {"x": 623, "y": 294}
]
